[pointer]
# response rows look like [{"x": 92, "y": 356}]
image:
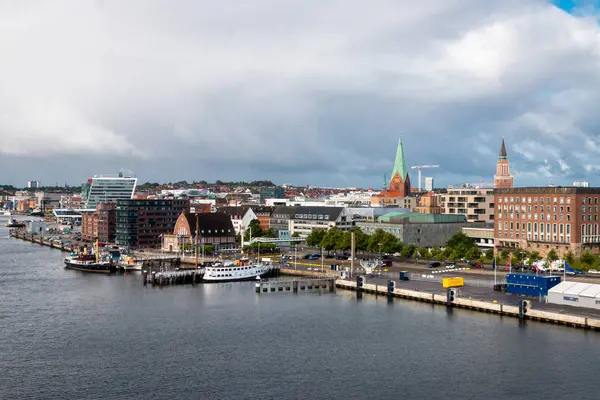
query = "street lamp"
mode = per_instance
[
  {"x": 295, "y": 253},
  {"x": 322, "y": 261},
  {"x": 380, "y": 259}
]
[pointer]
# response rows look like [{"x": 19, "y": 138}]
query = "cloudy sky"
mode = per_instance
[{"x": 305, "y": 92}]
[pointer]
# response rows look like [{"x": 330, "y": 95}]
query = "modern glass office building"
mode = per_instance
[{"x": 104, "y": 189}]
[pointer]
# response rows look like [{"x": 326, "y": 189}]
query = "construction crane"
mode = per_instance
[{"x": 419, "y": 167}]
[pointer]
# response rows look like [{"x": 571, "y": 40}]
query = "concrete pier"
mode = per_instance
[
  {"x": 295, "y": 285},
  {"x": 482, "y": 306}
]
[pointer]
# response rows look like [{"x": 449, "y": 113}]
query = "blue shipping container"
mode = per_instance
[{"x": 526, "y": 290}]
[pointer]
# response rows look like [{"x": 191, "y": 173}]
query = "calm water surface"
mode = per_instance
[{"x": 70, "y": 335}]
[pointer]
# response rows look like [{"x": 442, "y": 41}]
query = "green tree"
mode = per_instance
[
  {"x": 474, "y": 254},
  {"x": 253, "y": 230},
  {"x": 331, "y": 239},
  {"x": 344, "y": 241},
  {"x": 489, "y": 254},
  {"x": 295, "y": 235},
  {"x": 316, "y": 237},
  {"x": 461, "y": 244},
  {"x": 361, "y": 239},
  {"x": 208, "y": 249},
  {"x": 570, "y": 257},
  {"x": 375, "y": 239},
  {"x": 453, "y": 255},
  {"x": 421, "y": 252},
  {"x": 534, "y": 256},
  {"x": 446, "y": 253},
  {"x": 504, "y": 253},
  {"x": 409, "y": 251},
  {"x": 436, "y": 253},
  {"x": 551, "y": 257},
  {"x": 587, "y": 259},
  {"x": 426, "y": 254},
  {"x": 270, "y": 233}
]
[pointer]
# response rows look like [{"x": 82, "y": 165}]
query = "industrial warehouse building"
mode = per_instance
[{"x": 576, "y": 294}]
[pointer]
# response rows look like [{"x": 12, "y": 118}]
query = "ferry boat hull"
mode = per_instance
[
  {"x": 206, "y": 279},
  {"x": 94, "y": 267}
]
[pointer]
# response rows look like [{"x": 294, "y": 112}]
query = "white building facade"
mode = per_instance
[{"x": 105, "y": 188}]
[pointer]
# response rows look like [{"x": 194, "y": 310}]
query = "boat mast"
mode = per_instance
[{"x": 196, "y": 241}]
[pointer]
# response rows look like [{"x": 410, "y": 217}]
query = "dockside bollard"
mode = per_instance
[
  {"x": 390, "y": 290},
  {"x": 359, "y": 286},
  {"x": 145, "y": 274}
]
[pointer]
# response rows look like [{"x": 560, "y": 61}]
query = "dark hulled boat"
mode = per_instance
[{"x": 88, "y": 263}]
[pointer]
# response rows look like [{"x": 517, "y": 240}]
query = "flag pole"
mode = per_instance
[
  {"x": 495, "y": 268},
  {"x": 565, "y": 269}
]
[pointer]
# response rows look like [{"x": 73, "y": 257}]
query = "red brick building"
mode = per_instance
[
  {"x": 544, "y": 218},
  {"x": 503, "y": 179},
  {"x": 100, "y": 225},
  {"x": 214, "y": 229}
]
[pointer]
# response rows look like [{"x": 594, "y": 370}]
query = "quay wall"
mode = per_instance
[{"x": 496, "y": 308}]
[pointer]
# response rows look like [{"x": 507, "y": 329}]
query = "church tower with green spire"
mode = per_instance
[{"x": 400, "y": 181}]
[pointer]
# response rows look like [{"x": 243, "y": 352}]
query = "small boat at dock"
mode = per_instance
[
  {"x": 239, "y": 270},
  {"x": 88, "y": 262}
]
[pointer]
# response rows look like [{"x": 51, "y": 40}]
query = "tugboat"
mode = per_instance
[{"x": 90, "y": 263}]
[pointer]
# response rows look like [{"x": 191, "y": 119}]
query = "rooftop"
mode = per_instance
[
  {"x": 549, "y": 190},
  {"x": 415, "y": 218}
]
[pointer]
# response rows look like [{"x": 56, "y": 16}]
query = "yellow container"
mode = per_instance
[{"x": 453, "y": 282}]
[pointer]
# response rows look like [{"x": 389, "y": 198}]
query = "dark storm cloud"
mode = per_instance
[{"x": 315, "y": 93}]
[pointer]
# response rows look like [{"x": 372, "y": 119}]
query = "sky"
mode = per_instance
[{"x": 308, "y": 93}]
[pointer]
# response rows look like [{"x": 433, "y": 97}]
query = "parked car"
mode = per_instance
[
  {"x": 574, "y": 272},
  {"x": 435, "y": 264},
  {"x": 314, "y": 257},
  {"x": 306, "y": 256},
  {"x": 386, "y": 263},
  {"x": 450, "y": 264},
  {"x": 341, "y": 257},
  {"x": 593, "y": 271},
  {"x": 474, "y": 264}
]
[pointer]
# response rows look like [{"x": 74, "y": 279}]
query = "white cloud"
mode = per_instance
[{"x": 323, "y": 87}]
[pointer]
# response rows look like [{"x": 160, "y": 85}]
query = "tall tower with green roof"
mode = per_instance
[{"x": 400, "y": 181}]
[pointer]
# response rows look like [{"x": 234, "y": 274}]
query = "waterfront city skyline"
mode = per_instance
[{"x": 272, "y": 92}]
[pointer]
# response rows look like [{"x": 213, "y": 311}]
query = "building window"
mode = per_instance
[
  {"x": 560, "y": 229},
  {"x": 554, "y": 229},
  {"x": 568, "y": 229},
  {"x": 583, "y": 200},
  {"x": 529, "y": 227},
  {"x": 511, "y": 226},
  {"x": 517, "y": 226},
  {"x": 583, "y": 230},
  {"x": 535, "y": 227}
]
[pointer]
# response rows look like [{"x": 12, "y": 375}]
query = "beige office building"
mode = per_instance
[{"x": 475, "y": 204}]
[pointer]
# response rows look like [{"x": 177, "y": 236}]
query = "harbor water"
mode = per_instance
[{"x": 70, "y": 335}]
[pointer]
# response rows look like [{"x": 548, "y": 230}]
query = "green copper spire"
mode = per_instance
[{"x": 400, "y": 163}]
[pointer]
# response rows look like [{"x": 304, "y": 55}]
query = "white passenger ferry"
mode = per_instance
[{"x": 239, "y": 270}]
